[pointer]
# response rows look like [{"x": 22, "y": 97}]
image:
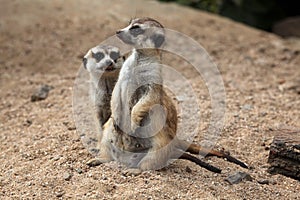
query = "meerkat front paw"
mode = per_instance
[{"x": 132, "y": 172}]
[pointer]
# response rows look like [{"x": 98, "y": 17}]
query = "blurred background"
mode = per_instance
[{"x": 279, "y": 16}]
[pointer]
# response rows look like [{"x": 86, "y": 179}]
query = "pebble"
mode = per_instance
[
  {"x": 71, "y": 128},
  {"x": 59, "y": 193},
  {"x": 262, "y": 114},
  {"x": 28, "y": 122},
  {"x": 238, "y": 177},
  {"x": 41, "y": 93},
  {"x": 56, "y": 158},
  {"x": 263, "y": 181},
  {"x": 67, "y": 176},
  {"x": 188, "y": 169},
  {"x": 247, "y": 107},
  {"x": 79, "y": 171}
]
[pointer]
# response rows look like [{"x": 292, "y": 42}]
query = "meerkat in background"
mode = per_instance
[
  {"x": 141, "y": 132},
  {"x": 103, "y": 63}
]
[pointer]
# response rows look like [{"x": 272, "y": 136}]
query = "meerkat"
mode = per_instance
[
  {"x": 141, "y": 132},
  {"x": 138, "y": 90},
  {"x": 103, "y": 63}
]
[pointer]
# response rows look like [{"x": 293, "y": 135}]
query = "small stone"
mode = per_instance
[
  {"x": 41, "y": 93},
  {"x": 28, "y": 122},
  {"x": 71, "y": 128},
  {"x": 262, "y": 114},
  {"x": 59, "y": 193},
  {"x": 56, "y": 158},
  {"x": 263, "y": 181},
  {"x": 238, "y": 177},
  {"x": 188, "y": 169},
  {"x": 79, "y": 171},
  {"x": 246, "y": 107},
  {"x": 67, "y": 176},
  {"x": 272, "y": 182}
]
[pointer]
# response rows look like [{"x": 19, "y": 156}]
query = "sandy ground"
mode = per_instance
[{"x": 41, "y": 153}]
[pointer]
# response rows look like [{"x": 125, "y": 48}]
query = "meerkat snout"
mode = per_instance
[{"x": 109, "y": 62}]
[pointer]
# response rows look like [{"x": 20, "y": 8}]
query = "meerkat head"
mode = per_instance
[
  {"x": 143, "y": 33},
  {"x": 102, "y": 59}
]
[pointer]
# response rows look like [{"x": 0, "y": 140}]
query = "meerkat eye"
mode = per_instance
[
  {"x": 137, "y": 146},
  {"x": 98, "y": 56},
  {"x": 114, "y": 55},
  {"x": 136, "y": 30}
]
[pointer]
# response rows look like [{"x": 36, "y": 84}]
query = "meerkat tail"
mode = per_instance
[
  {"x": 197, "y": 149},
  {"x": 196, "y": 160}
]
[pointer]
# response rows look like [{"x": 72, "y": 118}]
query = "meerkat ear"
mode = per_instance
[{"x": 158, "y": 39}]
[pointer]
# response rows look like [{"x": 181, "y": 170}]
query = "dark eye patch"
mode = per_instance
[
  {"x": 114, "y": 55},
  {"x": 136, "y": 30},
  {"x": 158, "y": 40},
  {"x": 98, "y": 56}
]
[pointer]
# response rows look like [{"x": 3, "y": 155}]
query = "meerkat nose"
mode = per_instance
[{"x": 108, "y": 63}]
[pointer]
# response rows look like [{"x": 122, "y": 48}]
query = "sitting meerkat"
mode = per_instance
[
  {"x": 103, "y": 63},
  {"x": 141, "y": 132},
  {"x": 138, "y": 91}
]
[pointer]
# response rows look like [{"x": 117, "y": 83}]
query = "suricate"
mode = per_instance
[
  {"x": 103, "y": 63},
  {"x": 141, "y": 132}
]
